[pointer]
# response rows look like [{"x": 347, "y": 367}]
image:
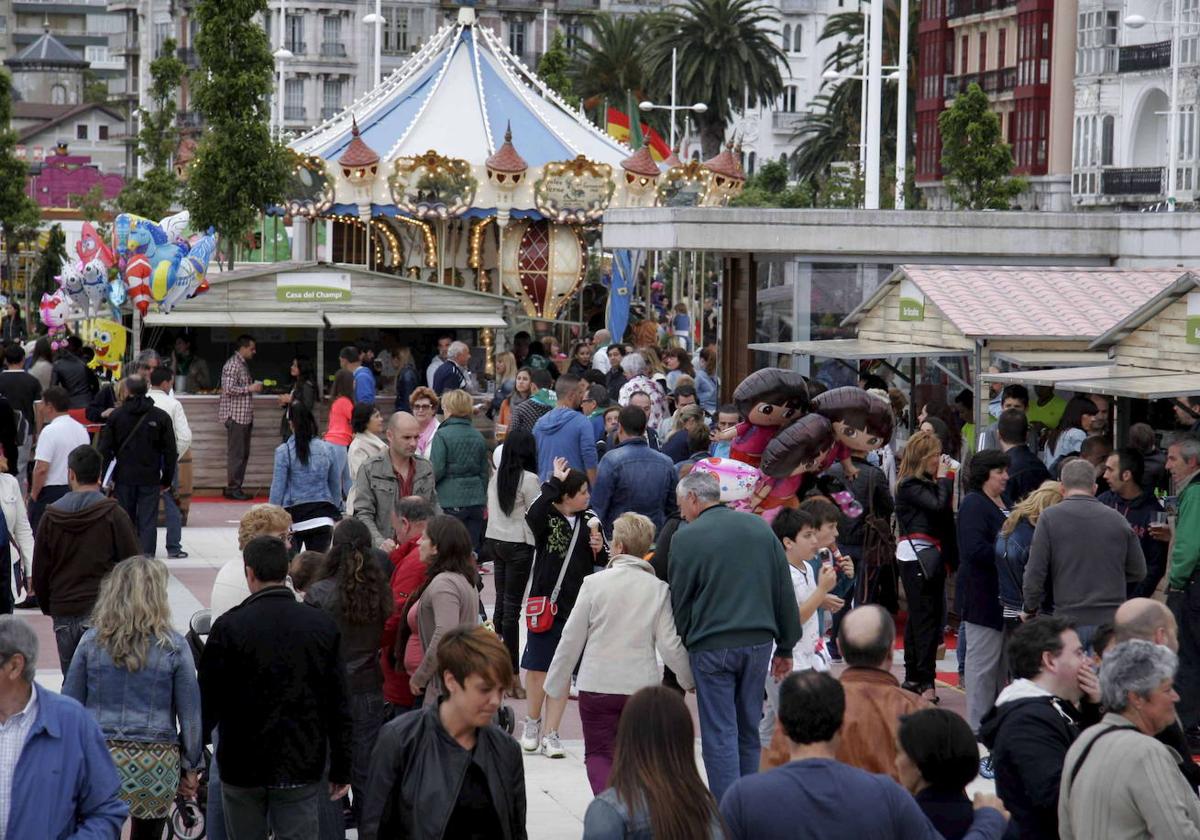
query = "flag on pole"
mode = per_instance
[{"x": 618, "y": 127}]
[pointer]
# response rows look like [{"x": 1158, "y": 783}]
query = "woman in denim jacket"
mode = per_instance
[
  {"x": 136, "y": 676},
  {"x": 307, "y": 482},
  {"x": 1012, "y": 552}
]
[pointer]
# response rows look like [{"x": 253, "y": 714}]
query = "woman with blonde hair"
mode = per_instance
[
  {"x": 136, "y": 676},
  {"x": 621, "y": 617},
  {"x": 655, "y": 369},
  {"x": 425, "y": 404},
  {"x": 459, "y": 456},
  {"x": 229, "y": 586},
  {"x": 924, "y": 514},
  {"x": 1012, "y": 551}
]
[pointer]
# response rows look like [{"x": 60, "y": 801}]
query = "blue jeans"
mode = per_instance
[
  {"x": 174, "y": 519},
  {"x": 729, "y": 694},
  {"x": 140, "y": 501},
  {"x": 214, "y": 814}
]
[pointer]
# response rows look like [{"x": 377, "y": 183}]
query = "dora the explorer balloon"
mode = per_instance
[
  {"x": 799, "y": 449},
  {"x": 861, "y": 422},
  {"x": 769, "y": 399}
]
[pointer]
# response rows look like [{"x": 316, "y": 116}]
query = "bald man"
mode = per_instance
[
  {"x": 1151, "y": 621},
  {"x": 396, "y": 472}
]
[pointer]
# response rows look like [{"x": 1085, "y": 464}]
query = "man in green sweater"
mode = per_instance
[
  {"x": 1183, "y": 592},
  {"x": 731, "y": 592}
]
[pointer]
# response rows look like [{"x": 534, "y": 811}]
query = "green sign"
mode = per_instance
[
  {"x": 912, "y": 302},
  {"x": 313, "y": 287}
]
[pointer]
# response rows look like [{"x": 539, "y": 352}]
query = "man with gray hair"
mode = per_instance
[
  {"x": 1088, "y": 553},
  {"x": 731, "y": 591},
  {"x": 1118, "y": 780},
  {"x": 57, "y": 777},
  {"x": 1183, "y": 593},
  {"x": 637, "y": 382},
  {"x": 453, "y": 373}
]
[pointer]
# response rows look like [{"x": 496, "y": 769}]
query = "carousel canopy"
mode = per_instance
[{"x": 456, "y": 96}]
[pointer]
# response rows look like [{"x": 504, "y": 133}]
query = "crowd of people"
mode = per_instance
[{"x": 1059, "y": 570}]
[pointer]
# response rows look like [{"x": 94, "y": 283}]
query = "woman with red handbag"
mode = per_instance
[{"x": 568, "y": 550}]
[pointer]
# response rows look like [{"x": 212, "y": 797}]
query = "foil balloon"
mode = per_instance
[
  {"x": 137, "y": 282},
  {"x": 117, "y": 295},
  {"x": 737, "y": 478},
  {"x": 769, "y": 399},
  {"x": 108, "y": 339},
  {"x": 131, "y": 236},
  {"x": 175, "y": 226},
  {"x": 190, "y": 277},
  {"x": 90, "y": 246},
  {"x": 70, "y": 281},
  {"x": 95, "y": 285}
]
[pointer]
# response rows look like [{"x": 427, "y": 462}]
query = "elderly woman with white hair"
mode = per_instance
[
  {"x": 637, "y": 381},
  {"x": 1118, "y": 781}
]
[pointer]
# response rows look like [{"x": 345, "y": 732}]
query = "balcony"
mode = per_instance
[
  {"x": 333, "y": 49},
  {"x": 786, "y": 122},
  {"x": 962, "y": 8},
  {"x": 328, "y": 112},
  {"x": 1144, "y": 57},
  {"x": 295, "y": 113},
  {"x": 298, "y": 48},
  {"x": 188, "y": 56},
  {"x": 1136, "y": 180},
  {"x": 188, "y": 119},
  {"x": 993, "y": 82}
]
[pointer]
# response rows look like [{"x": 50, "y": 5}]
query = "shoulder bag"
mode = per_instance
[
  {"x": 879, "y": 543},
  {"x": 540, "y": 610},
  {"x": 929, "y": 559}
]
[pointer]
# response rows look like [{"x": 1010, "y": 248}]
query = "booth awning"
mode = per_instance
[
  {"x": 856, "y": 348},
  {"x": 1114, "y": 381},
  {"x": 417, "y": 320},
  {"x": 249, "y": 318},
  {"x": 1052, "y": 358}
]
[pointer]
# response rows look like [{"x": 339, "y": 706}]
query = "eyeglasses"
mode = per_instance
[{"x": 422, "y": 407}]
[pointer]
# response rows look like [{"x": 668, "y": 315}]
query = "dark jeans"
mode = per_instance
[
  {"x": 366, "y": 713},
  {"x": 314, "y": 539},
  {"x": 147, "y": 829},
  {"x": 290, "y": 813},
  {"x": 922, "y": 632},
  {"x": 1185, "y": 605},
  {"x": 214, "y": 812},
  {"x": 854, "y": 552},
  {"x": 68, "y": 630},
  {"x": 50, "y": 494},
  {"x": 140, "y": 501},
  {"x": 1154, "y": 575},
  {"x": 237, "y": 453},
  {"x": 472, "y": 517},
  {"x": 729, "y": 695},
  {"x": 174, "y": 518},
  {"x": 599, "y": 714},
  {"x": 512, "y": 563}
]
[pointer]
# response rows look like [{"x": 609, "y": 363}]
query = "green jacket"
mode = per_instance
[
  {"x": 1185, "y": 553},
  {"x": 730, "y": 584},
  {"x": 459, "y": 455}
]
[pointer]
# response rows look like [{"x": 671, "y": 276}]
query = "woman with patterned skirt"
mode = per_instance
[{"x": 135, "y": 674}]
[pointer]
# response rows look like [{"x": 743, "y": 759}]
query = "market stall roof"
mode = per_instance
[
  {"x": 854, "y": 348},
  {"x": 1052, "y": 358},
  {"x": 455, "y": 96},
  {"x": 1114, "y": 381},
  {"x": 247, "y": 318},
  {"x": 414, "y": 320},
  {"x": 1019, "y": 302},
  {"x": 1187, "y": 282}
]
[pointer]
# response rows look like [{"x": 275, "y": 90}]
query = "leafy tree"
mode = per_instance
[
  {"x": 18, "y": 212},
  {"x": 976, "y": 162},
  {"x": 153, "y": 195},
  {"x": 95, "y": 89},
  {"x": 94, "y": 207},
  {"x": 612, "y": 66},
  {"x": 238, "y": 169},
  {"x": 554, "y": 68},
  {"x": 50, "y": 262},
  {"x": 727, "y": 55}
]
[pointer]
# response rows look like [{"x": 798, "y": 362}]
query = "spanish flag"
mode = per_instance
[{"x": 618, "y": 127}]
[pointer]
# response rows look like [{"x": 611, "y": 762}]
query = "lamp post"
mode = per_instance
[
  {"x": 698, "y": 108},
  {"x": 874, "y": 104},
  {"x": 376, "y": 19},
  {"x": 281, "y": 55},
  {"x": 902, "y": 109},
  {"x": 1176, "y": 24}
]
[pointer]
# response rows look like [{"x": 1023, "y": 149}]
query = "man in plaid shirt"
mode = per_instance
[{"x": 236, "y": 411}]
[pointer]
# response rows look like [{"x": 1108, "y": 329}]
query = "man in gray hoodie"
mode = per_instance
[{"x": 1086, "y": 550}]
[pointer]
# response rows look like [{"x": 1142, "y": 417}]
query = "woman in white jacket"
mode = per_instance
[
  {"x": 19, "y": 536},
  {"x": 622, "y": 616}
]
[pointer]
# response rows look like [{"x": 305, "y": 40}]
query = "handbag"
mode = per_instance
[
  {"x": 540, "y": 610},
  {"x": 929, "y": 558}
]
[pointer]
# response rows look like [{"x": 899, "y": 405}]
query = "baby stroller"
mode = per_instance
[{"x": 187, "y": 816}]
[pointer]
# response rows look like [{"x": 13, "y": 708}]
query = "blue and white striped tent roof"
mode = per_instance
[{"x": 455, "y": 97}]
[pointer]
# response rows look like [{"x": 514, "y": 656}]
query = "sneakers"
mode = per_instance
[
  {"x": 552, "y": 747},
  {"x": 531, "y": 734}
]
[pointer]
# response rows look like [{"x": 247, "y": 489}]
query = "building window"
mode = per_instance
[
  {"x": 787, "y": 37},
  {"x": 750, "y": 164},
  {"x": 797, "y": 38},
  {"x": 162, "y": 31},
  {"x": 58, "y": 95},
  {"x": 102, "y": 132},
  {"x": 962, "y": 55},
  {"x": 402, "y": 29},
  {"x": 1107, "y": 131},
  {"x": 982, "y": 52},
  {"x": 293, "y": 100},
  {"x": 1001, "y": 49},
  {"x": 81, "y": 132},
  {"x": 331, "y": 98},
  {"x": 1189, "y": 44},
  {"x": 516, "y": 38},
  {"x": 295, "y": 34},
  {"x": 787, "y": 102},
  {"x": 331, "y": 37},
  {"x": 576, "y": 33}
]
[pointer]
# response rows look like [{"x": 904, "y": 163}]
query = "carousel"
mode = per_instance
[{"x": 462, "y": 168}]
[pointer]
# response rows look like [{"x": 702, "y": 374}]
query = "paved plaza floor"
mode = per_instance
[{"x": 557, "y": 790}]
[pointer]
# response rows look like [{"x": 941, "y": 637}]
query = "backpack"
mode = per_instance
[{"x": 879, "y": 548}]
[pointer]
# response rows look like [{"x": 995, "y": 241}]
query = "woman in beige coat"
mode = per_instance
[{"x": 621, "y": 617}]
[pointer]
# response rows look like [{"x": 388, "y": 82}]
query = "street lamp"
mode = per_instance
[
  {"x": 1137, "y": 22},
  {"x": 698, "y": 108},
  {"x": 281, "y": 55},
  {"x": 376, "y": 19}
]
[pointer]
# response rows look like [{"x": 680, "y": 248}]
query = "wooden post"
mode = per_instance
[{"x": 739, "y": 301}]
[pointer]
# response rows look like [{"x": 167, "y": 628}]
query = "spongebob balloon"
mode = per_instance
[{"x": 107, "y": 338}]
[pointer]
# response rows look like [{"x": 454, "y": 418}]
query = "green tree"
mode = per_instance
[
  {"x": 728, "y": 56},
  {"x": 154, "y": 194},
  {"x": 94, "y": 207},
  {"x": 612, "y": 67},
  {"x": 554, "y": 68},
  {"x": 976, "y": 162},
  {"x": 239, "y": 169},
  {"x": 50, "y": 262},
  {"x": 95, "y": 89},
  {"x": 18, "y": 212}
]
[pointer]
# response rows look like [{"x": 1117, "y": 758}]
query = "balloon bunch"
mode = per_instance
[
  {"x": 158, "y": 263},
  {"x": 84, "y": 282}
]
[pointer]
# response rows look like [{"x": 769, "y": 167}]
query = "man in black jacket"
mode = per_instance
[
  {"x": 140, "y": 437},
  {"x": 1037, "y": 718},
  {"x": 447, "y": 771},
  {"x": 1123, "y": 472},
  {"x": 1026, "y": 472},
  {"x": 72, "y": 375},
  {"x": 273, "y": 682}
]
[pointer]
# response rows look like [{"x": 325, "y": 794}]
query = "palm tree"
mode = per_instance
[
  {"x": 727, "y": 51},
  {"x": 612, "y": 66},
  {"x": 831, "y": 132}
]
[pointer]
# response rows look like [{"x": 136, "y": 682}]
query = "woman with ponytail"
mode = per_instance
[{"x": 307, "y": 481}]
